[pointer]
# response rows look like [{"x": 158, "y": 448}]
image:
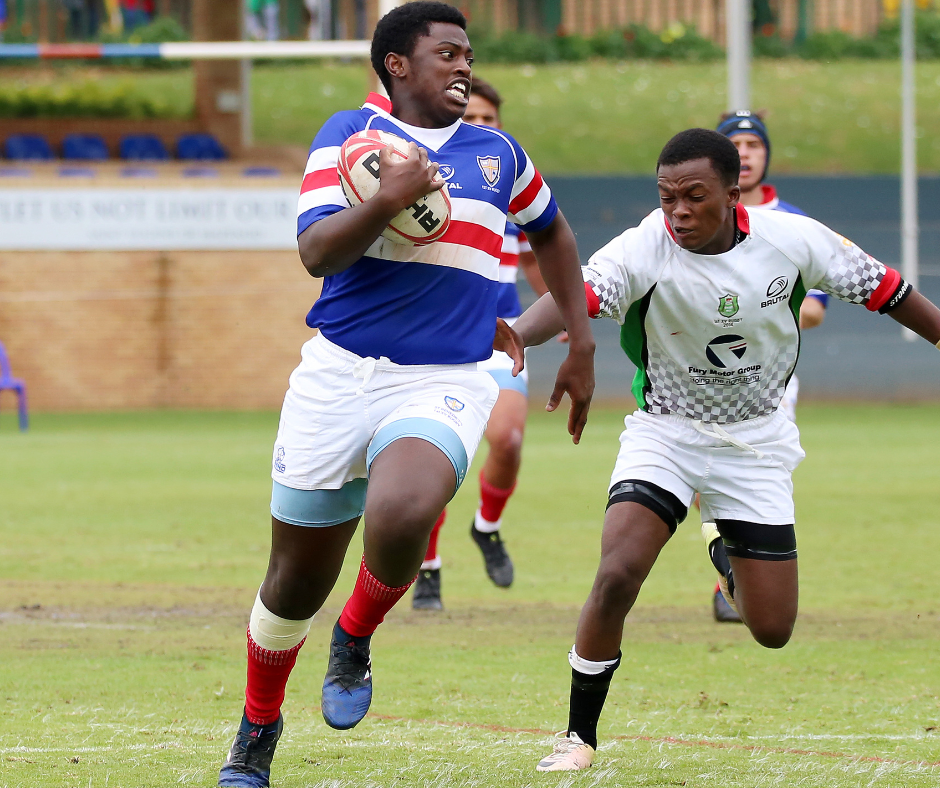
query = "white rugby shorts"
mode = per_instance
[
  {"x": 790, "y": 396},
  {"x": 733, "y": 482},
  {"x": 499, "y": 366},
  {"x": 342, "y": 409}
]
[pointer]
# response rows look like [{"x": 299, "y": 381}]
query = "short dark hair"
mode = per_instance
[
  {"x": 484, "y": 89},
  {"x": 694, "y": 144},
  {"x": 399, "y": 30}
]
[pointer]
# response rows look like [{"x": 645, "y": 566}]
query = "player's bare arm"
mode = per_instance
[
  {"x": 333, "y": 244},
  {"x": 920, "y": 315},
  {"x": 812, "y": 313},
  {"x": 557, "y": 255},
  {"x": 530, "y": 270}
]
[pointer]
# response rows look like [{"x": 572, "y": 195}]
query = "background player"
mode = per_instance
[
  {"x": 386, "y": 409},
  {"x": 506, "y": 425},
  {"x": 748, "y": 131},
  {"x": 688, "y": 286}
]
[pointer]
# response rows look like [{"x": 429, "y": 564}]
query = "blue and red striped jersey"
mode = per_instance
[{"x": 433, "y": 304}]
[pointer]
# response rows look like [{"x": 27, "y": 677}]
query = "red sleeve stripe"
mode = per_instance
[
  {"x": 319, "y": 179},
  {"x": 889, "y": 284},
  {"x": 593, "y": 302},
  {"x": 525, "y": 198},
  {"x": 474, "y": 236}
]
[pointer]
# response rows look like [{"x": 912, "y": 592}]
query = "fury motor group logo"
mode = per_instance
[
  {"x": 728, "y": 305},
  {"x": 724, "y": 350},
  {"x": 489, "y": 166},
  {"x": 454, "y": 404}
]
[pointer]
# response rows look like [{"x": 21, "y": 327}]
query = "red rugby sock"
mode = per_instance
[
  {"x": 371, "y": 599},
  {"x": 492, "y": 500},
  {"x": 268, "y": 672},
  {"x": 431, "y": 554}
]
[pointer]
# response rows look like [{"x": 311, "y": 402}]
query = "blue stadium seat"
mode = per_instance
[
  {"x": 199, "y": 147},
  {"x": 28, "y": 147},
  {"x": 84, "y": 147},
  {"x": 143, "y": 147}
]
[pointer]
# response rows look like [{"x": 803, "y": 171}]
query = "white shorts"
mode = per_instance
[
  {"x": 499, "y": 366},
  {"x": 341, "y": 410},
  {"x": 734, "y": 484},
  {"x": 790, "y": 396}
]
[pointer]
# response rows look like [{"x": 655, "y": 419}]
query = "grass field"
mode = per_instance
[
  {"x": 606, "y": 117},
  {"x": 131, "y": 547}
]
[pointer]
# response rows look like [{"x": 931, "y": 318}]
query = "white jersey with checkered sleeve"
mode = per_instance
[{"x": 716, "y": 337}]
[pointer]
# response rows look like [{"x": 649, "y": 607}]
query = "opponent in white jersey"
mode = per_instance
[
  {"x": 506, "y": 425},
  {"x": 388, "y": 405},
  {"x": 708, "y": 296}
]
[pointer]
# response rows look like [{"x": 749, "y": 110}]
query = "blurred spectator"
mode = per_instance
[
  {"x": 83, "y": 18},
  {"x": 321, "y": 27},
  {"x": 136, "y": 13},
  {"x": 262, "y": 19},
  {"x": 3, "y": 17}
]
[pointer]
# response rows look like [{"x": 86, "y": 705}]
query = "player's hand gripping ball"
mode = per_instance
[{"x": 423, "y": 222}]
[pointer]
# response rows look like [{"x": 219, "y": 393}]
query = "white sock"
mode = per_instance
[
  {"x": 434, "y": 563},
  {"x": 485, "y": 526},
  {"x": 587, "y": 667},
  {"x": 272, "y": 632}
]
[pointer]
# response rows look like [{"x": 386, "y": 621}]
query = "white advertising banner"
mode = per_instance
[{"x": 147, "y": 219}]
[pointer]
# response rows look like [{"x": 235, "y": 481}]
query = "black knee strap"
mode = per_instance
[
  {"x": 755, "y": 540},
  {"x": 660, "y": 502}
]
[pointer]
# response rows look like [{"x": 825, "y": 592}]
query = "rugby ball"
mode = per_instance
[{"x": 423, "y": 222}]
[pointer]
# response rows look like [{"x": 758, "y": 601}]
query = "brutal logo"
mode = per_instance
[
  {"x": 720, "y": 350},
  {"x": 445, "y": 171},
  {"x": 454, "y": 404},
  {"x": 776, "y": 287},
  {"x": 728, "y": 305},
  {"x": 489, "y": 166}
]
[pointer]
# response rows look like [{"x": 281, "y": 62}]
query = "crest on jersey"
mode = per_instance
[
  {"x": 489, "y": 166},
  {"x": 728, "y": 305},
  {"x": 454, "y": 404}
]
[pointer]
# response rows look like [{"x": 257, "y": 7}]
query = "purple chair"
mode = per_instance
[{"x": 7, "y": 381}]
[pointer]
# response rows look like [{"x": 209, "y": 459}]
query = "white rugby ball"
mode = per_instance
[{"x": 423, "y": 222}]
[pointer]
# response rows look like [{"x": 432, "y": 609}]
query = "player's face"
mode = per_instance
[
  {"x": 481, "y": 112},
  {"x": 753, "y": 160},
  {"x": 698, "y": 206},
  {"x": 436, "y": 76}
]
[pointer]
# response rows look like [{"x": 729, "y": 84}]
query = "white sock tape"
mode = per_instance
[
  {"x": 274, "y": 633},
  {"x": 587, "y": 667}
]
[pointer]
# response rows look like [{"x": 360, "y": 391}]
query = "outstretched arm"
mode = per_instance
[
  {"x": 557, "y": 255},
  {"x": 920, "y": 315},
  {"x": 334, "y": 243}
]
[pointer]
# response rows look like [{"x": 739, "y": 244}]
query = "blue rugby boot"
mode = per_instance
[
  {"x": 248, "y": 764},
  {"x": 347, "y": 687}
]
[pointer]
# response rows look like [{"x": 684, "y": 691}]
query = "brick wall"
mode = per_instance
[{"x": 114, "y": 330}]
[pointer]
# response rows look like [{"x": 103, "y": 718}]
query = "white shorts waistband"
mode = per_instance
[{"x": 383, "y": 364}]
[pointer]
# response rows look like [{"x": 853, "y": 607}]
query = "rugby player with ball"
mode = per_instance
[
  {"x": 387, "y": 407},
  {"x": 713, "y": 357}
]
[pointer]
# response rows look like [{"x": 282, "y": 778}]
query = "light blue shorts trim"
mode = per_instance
[
  {"x": 319, "y": 508},
  {"x": 430, "y": 430},
  {"x": 505, "y": 380}
]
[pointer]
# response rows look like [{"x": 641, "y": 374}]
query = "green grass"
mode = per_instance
[
  {"x": 605, "y": 117},
  {"x": 131, "y": 547}
]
